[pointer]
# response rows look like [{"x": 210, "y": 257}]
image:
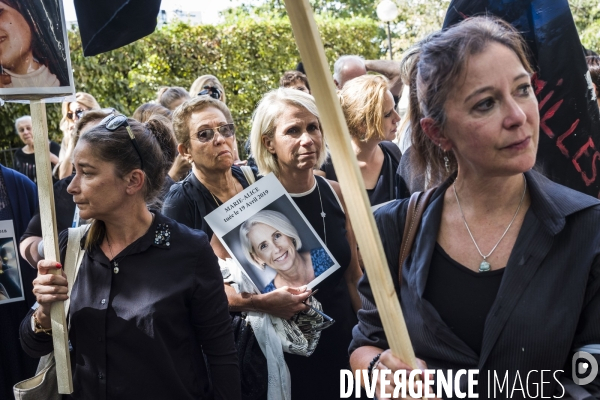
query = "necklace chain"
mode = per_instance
[
  {"x": 323, "y": 215},
  {"x": 485, "y": 266},
  {"x": 215, "y": 198}
]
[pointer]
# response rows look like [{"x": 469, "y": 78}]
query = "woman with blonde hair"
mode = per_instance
[
  {"x": 72, "y": 111},
  {"x": 269, "y": 239},
  {"x": 370, "y": 113},
  {"x": 287, "y": 139},
  {"x": 209, "y": 84}
]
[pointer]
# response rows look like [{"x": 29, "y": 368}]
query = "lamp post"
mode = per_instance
[{"x": 387, "y": 11}]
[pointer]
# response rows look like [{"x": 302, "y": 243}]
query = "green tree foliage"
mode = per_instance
[{"x": 248, "y": 55}]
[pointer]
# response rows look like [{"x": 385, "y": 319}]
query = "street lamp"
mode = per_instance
[{"x": 387, "y": 12}]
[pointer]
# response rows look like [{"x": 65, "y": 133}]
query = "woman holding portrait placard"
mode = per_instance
[
  {"x": 504, "y": 274},
  {"x": 286, "y": 139}
]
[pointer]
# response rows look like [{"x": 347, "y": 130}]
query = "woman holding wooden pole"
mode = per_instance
[
  {"x": 504, "y": 273},
  {"x": 148, "y": 313}
]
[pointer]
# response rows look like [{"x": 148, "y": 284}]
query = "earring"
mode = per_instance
[
  {"x": 191, "y": 161},
  {"x": 265, "y": 265},
  {"x": 447, "y": 162},
  {"x": 294, "y": 241}
]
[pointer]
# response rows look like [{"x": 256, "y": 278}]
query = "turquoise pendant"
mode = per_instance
[{"x": 484, "y": 266}]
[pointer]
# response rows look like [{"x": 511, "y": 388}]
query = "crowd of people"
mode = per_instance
[{"x": 504, "y": 274}]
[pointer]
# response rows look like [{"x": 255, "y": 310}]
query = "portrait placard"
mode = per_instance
[
  {"x": 11, "y": 281},
  {"x": 34, "y": 51},
  {"x": 269, "y": 237}
]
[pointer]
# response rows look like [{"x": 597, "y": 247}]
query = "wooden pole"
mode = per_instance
[
  {"x": 48, "y": 218},
  {"x": 353, "y": 188}
]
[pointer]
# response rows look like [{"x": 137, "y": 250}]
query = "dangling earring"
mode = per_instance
[
  {"x": 446, "y": 159},
  {"x": 294, "y": 241}
]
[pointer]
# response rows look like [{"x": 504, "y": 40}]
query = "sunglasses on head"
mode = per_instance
[
  {"x": 211, "y": 91},
  {"x": 79, "y": 113},
  {"x": 114, "y": 122},
  {"x": 206, "y": 135}
]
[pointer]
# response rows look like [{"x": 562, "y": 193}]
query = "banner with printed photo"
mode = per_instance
[
  {"x": 267, "y": 234},
  {"x": 11, "y": 282},
  {"x": 34, "y": 50}
]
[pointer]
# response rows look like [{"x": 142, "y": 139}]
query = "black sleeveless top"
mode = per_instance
[
  {"x": 462, "y": 297},
  {"x": 315, "y": 376}
]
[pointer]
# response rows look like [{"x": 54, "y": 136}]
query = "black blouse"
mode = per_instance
[
  {"x": 189, "y": 201},
  {"x": 141, "y": 333}
]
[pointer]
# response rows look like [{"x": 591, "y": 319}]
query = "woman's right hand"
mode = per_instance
[
  {"x": 48, "y": 288},
  {"x": 387, "y": 361},
  {"x": 284, "y": 302}
]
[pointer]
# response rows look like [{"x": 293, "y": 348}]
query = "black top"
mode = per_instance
[
  {"x": 141, "y": 333},
  {"x": 462, "y": 297},
  {"x": 547, "y": 305},
  {"x": 189, "y": 201},
  {"x": 386, "y": 187},
  {"x": 25, "y": 163},
  {"x": 315, "y": 377}
]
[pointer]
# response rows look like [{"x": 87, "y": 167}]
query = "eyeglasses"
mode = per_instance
[
  {"x": 79, "y": 113},
  {"x": 206, "y": 135},
  {"x": 211, "y": 91},
  {"x": 114, "y": 122}
]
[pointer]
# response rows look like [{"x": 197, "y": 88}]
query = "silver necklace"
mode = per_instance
[
  {"x": 485, "y": 266},
  {"x": 112, "y": 257},
  {"x": 323, "y": 215}
]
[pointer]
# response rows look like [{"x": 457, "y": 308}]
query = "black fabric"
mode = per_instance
[
  {"x": 253, "y": 363},
  {"x": 110, "y": 24},
  {"x": 386, "y": 188},
  {"x": 19, "y": 202},
  {"x": 317, "y": 376},
  {"x": 189, "y": 201},
  {"x": 25, "y": 163},
  {"x": 547, "y": 304},
  {"x": 462, "y": 297},
  {"x": 142, "y": 333}
]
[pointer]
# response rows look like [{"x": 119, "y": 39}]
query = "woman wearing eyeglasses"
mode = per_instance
[
  {"x": 148, "y": 313},
  {"x": 71, "y": 113}
]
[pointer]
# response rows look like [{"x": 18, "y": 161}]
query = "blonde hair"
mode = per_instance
[
  {"x": 266, "y": 118},
  {"x": 275, "y": 220},
  {"x": 183, "y": 113},
  {"x": 86, "y": 100},
  {"x": 362, "y": 102},
  {"x": 166, "y": 96},
  {"x": 205, "y": 80}
]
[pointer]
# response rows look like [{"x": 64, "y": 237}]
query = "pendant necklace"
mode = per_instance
[
  {"x": 215, "y": 198},
  {"x": 323, "y": 215},
  {"x": 112, "y": 256},
  {"x": 485, "y": 266}
]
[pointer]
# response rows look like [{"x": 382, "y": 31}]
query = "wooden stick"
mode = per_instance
[
  {"x": 350, "y": 179},
  {"x": 48, "y": 218}
]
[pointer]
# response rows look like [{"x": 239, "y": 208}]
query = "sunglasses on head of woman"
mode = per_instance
[
  {"x": 114, "y": 122},
  {"x": 206, "y": 135},
  {"x": 78, "y": 113}
]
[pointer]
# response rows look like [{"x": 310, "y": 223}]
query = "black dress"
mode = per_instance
[
  {"x": 25, "y": 163},
  {"x": 318, "y": 376},
  {"x": 386, "y": 188}
]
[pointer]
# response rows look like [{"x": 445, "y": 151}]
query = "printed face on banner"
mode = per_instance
[
  {"x": 263, "y": 229},
  {"x": 34, "y": 50},
  {"x": 11, "y": 283}
]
